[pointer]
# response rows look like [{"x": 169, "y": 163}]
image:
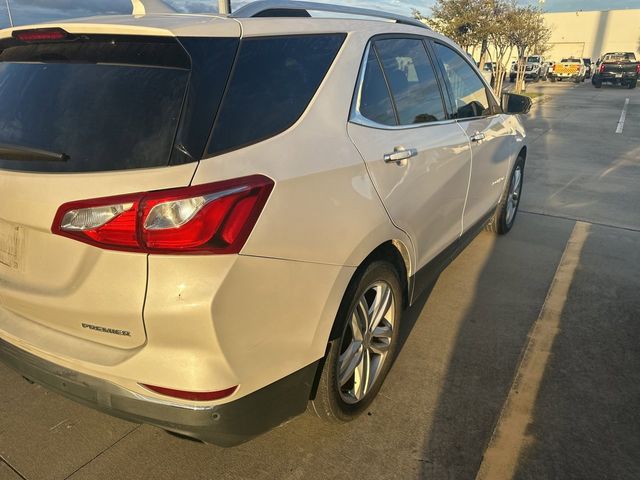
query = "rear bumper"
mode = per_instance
[
  {"x": 225, "y": 425},
  {"x": 564, "y": 75},
  {"x": 612, "y": 77}
]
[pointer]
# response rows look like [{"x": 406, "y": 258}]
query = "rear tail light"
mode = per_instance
[
  {"x": 41, "y": 35},
  {"x": 212, "y": 218},
  {"x": 638, "y": 68},
  {"x": 602, "y": 68}
]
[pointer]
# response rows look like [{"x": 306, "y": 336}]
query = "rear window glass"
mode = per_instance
[
  {"x": 272, "y": 83},
  {"x": 620, "y": 57},
  {"x": 96, "y": 106}
]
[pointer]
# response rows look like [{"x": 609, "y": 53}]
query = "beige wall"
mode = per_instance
[{"x": 590, "y": 34}]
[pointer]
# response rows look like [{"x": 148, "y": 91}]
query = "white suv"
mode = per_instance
[{"x": 208, "y": 222}]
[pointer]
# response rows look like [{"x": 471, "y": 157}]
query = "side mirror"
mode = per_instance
[{"x": 513, "y": 103}]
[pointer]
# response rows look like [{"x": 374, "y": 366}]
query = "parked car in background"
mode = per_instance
[
  {"x": 619, "y": 68},
  {"x": 168, "y": 262},
  {"x": 569, "y": 69},
  {"x": 588, "y": 67},
  {"x": 536, "y": 69}
]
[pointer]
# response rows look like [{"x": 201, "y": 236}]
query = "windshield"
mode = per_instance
[
  {"x": 619, "y": 57},
  {"x": 533, "y": 59},
  {"x": 97, "y": 105}
]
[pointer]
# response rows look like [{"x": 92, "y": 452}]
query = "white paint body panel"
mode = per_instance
[{"x": 211, "y": 322}]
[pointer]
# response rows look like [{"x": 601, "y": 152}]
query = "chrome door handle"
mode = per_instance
[
  {"x": 400, "y": 154},
  {"x": 478, "y": 137}
]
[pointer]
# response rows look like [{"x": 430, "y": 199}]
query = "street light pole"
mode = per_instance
[{"x": 224, "y": 6}]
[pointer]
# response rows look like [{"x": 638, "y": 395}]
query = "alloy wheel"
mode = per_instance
[
  {"x": 366, "y": 342},
  {"x": 514, "y": 194}
]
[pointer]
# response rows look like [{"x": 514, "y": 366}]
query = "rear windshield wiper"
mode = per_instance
[{"x": 28, "y": 154}]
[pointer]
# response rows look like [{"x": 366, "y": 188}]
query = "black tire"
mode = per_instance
[
  {"x": 597, "y": 83},
  {"x": 553, "y": 79},
  {"x": 500, "y": 223},
  {"x": 329, "y": 403},
  {"x": 633, "y": 84}
]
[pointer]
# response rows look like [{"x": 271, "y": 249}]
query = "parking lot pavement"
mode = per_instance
[{"x": 554, "y": 309}]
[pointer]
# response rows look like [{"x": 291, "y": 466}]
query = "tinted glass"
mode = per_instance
[
  {"x": 412, "y": 80},
  {"x": 101, "y": 116},
  {"x": 468, "y": 92},
  {"x": 619, "y": 57},
  {"x": 375, "y": 103},
  {"x": 272, "y": 83}
]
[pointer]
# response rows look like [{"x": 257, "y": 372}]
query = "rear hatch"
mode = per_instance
[{"x": 85, "y": 116}]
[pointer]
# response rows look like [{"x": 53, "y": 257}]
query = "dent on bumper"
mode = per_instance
[{"x": 225, "y": 425}]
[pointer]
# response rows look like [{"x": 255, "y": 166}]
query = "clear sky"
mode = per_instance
[{"x": 34, "y": 11}]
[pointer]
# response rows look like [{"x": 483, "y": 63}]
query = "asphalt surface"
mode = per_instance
[{"x": 523, "y": 360}]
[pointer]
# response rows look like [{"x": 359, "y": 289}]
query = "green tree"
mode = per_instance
[{"x": 468, "y": 22}]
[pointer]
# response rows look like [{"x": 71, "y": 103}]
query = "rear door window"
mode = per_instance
[
  {"x": 412, "y": 80},
  {"x": 272, "y": 83},
  {"x": 98, "y": 105}
]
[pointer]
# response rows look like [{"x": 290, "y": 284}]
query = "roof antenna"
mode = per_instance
[
  {"x": 224, "y": 7},
  {"x": 9, "y": 12}
]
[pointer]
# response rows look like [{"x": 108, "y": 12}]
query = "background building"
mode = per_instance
[{"x": 590, "y": 34}]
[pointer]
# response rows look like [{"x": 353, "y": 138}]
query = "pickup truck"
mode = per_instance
[
  {"x": 617, "y": 69},
  {"x": 569, "y": 68},
  {"x": 536, "y": 68}
]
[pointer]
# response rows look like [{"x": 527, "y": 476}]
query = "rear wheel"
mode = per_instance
[
  {"x": 633, "y": 84},
  {"x": 553, "y": 79},
  {"x": 596, "y": 83},
  {"x": 361, "y": 354},
  {"x": 505, "y": 215}
]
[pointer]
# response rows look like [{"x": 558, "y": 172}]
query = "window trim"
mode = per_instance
[
  {"x": 494, "y": 105},
  {"x": 357, "y": 118}
]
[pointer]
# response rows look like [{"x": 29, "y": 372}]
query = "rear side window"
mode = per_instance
[
  {"x": 271, "y": 85},
  {"x": 468, "y": 93},
  {"x": 95, "y": 105},
  {"x": 412, "y": 80}
]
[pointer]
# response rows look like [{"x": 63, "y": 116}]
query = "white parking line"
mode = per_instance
[
  {"x": 510, "y": 436},
  {"x": 623, "y": 117}
]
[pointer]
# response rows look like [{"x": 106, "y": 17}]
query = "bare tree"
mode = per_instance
[
  {"x": 529, "y": 34},
  {"x": 501, "y": 42}
]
